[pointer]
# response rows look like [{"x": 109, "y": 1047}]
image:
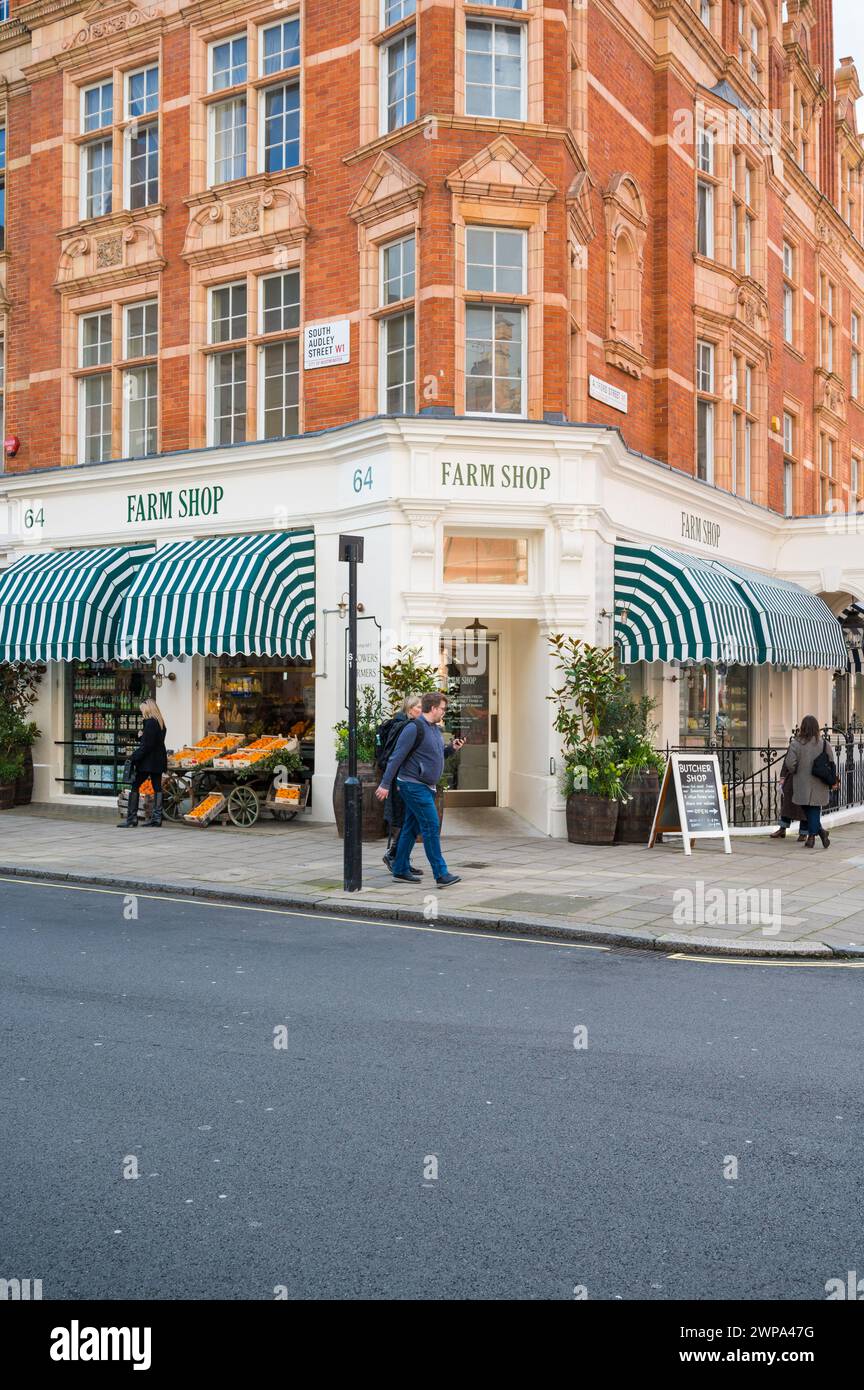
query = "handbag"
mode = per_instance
[
  {"x": 823, "y": 768},
  {"x": 128, "y": 772}
]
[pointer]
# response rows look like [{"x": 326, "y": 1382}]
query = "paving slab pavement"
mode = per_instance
[{"x": 768, "y": 897}]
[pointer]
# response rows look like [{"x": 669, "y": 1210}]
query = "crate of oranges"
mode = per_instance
[
  {"x": 206, "y": 810},
  {"x": 253, "y": 753},
  {"x": 202, "y": 753}
]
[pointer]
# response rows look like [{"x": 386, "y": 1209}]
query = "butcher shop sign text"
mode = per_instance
[{"x": 530, "y": 476}]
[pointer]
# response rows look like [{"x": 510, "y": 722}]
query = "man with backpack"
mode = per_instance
[
  {"x": 387, "y": 736},
  {"x": 416, "y": 764}
]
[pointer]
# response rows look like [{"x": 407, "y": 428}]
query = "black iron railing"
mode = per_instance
[{"x": 751, "y": 775}]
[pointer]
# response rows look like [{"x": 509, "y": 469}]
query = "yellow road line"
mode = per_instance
[
  {"x": 491, "y": 935},
  {"x": 755, "y": 960}
]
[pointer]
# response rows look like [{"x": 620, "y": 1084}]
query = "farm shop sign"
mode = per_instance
[
  {"x": 529, "y": 477},
  {"x": 183, "y": 504},
  {"x": 699, "y": 528}
]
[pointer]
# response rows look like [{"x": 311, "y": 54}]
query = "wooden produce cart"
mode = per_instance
[{"x": 238, "y": 784}]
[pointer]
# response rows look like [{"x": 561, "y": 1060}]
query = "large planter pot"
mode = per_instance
[
  {"x": 7, "y": 796},
  {"x": 24, "y": 782},
  {"x": 636, "y": 816},
  {"x": 591, "y": 820},
  {"x": 373, "y": 809}
]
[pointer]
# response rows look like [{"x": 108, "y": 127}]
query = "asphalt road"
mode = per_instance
[{"x": 307, "y": 1168}]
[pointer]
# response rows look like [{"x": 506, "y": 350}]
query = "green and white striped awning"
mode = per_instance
[
  {"x": 228, "y": 595},
  {"x": 65, "y": 606},
  {"x": 670, "y": 606}
]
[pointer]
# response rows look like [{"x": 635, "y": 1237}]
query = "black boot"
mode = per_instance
[
  {"x": 156, "y": 819},
  {"x": 131, "y": 821}
]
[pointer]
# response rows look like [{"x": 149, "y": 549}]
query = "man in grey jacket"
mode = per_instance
[{"x": 417, "y": 763}]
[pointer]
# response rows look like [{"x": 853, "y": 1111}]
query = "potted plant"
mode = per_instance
[
  {"x": 11, "y": 754},
  {"x": 19, "y": 691},
  {"x": 407, "y": 676},
  {"x": 627, "y": 723},
  {"x": 369, "y": 715},
  {"x": 593, "y": 770}
]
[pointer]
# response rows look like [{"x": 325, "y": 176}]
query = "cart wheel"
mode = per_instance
[
  {"x": 176, "y": 798},
  {"x": 206, "y": 783},
  {"x": 244, "y": 807}
]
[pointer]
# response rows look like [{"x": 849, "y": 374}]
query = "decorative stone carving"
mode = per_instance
[
  {"x": 828, "y": 236},
  {"x": 388, "y": 188},
  {"x": 244, "y": 218},
  {"x": 109, "y": 251},
  {"x": 579, "y": 208},
  {"x": 264, "y": 220},
  {"x": 829, "y": 394},
  {"x": 127, "y": 251},
  {"x": 128, "y": 18},
  {"x": 501, "y": 171},
  {"x": 626, "y": 232},
  {"x": 752, "y": 308}
]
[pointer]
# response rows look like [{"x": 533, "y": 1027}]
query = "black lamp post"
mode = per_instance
[{"x": 351, "y": 552}]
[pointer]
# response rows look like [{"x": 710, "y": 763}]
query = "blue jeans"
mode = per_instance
[
  {"x": 813, "y": 817},
  {"x": 421, "y": 817}
]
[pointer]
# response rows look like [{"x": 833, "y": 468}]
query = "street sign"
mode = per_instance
[
  {"x": 691, "y": 801},
  {"x": 368, "y": 655}
]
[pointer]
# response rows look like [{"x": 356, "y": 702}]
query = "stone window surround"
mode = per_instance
[
  {"x": 249, "y": 19},
  {"x": 729, "y": 341},
  {"x": 827, "y": 480},
  {"x": 793, "y": 408},
  {"x": 530, "y": 17},
  {"x": 76, "y": 307},
  {"x": 252, "y": 267},
  {"x": 753, "y": 14},
  {"x": 755, "y": 414},
  {"x": 626, "y": 217},
  {"x": 856, "y": 310},
  {"x": 372, "y": 238},
  {"x": 794, "y": 282},
  {"x": 525, "y": 217},
  {"x": 87, "y": 74},
  {"x": 373, "y": 40},
  {"x": 721, "y": 179}
]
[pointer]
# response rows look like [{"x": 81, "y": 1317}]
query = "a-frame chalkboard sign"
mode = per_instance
[{"x": 691, "y": 801}]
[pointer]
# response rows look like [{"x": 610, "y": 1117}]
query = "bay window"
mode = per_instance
[
  {"x": 495, "y": 332},
  {"x": 495, "y": 70},
  {"x": 396, "y": 328},
  {"x": 706, "y": 405}
]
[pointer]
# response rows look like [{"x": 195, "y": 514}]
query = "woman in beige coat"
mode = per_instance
[{"x": 809, "y": 792}]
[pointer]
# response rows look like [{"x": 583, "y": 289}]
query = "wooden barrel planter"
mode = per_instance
[
  {"x": 636, "y": 816},
  {"x": 591, "y": 820},
  {"x": 7, "y": 796},
  {"x": 373, "y": 809},
  {"x": 24, "y": 782}
]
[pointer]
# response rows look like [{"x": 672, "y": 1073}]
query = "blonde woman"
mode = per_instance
[{"x": 149, "y": 760}]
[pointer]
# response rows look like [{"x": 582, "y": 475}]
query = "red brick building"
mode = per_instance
[
  {"x": 579, "y": 232},
  {"x": 618, "y": 141}
]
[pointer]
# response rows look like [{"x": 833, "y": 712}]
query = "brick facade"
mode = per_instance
[{"x": 601, "y": 176}]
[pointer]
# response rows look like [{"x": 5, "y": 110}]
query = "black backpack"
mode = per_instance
[{"x": 388, "y": 736}]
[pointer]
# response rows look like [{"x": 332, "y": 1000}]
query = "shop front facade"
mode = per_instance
[{"x": 482, "y": 538}]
